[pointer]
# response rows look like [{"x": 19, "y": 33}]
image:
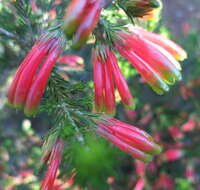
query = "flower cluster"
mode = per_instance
[
  {"x": 105, "y": 70},
  {"x": 29, "y": 82},
  {"x": 152, "y": 55},
  {"x": 54, "y": 158},
  {"x": 145, "y": 9},
  {"x": 129, "y": 139},
  {"x": 81, "y": 17}
]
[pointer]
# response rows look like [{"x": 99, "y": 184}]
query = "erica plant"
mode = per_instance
[{"x": 40, "y": 84}]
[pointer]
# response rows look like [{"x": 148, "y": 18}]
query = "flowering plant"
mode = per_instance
[{"x": 42, "y": 85}]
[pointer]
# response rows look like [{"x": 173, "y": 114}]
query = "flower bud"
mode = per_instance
[
  {"x": 157, "y": 65},
  {"x": 54, "y": 162},
  {"x": 30, "y": 80},
  {"x": 146, "y": 9},
  {"x": 106, "y": 73},
  {"x": 129, "y": 139}
]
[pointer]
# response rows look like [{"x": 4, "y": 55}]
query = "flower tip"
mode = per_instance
[
  {"x": 156, "y": 4},
  {"x": 130, "y": 106},
  {"x": 179, "y": 77},
  {"x": 9, "y": 103},
  {"x": 160, "y": 90},
  {"x": 148, "y": 158},
  {"x": 31, "y": 112},
  {"x": 68, "y": 33},
  {"x": 111, "y": 112},
  {"x": 158, "y": 149},
  {"x": 18, "y": 106},
  {"x": 182, "y": 57}
]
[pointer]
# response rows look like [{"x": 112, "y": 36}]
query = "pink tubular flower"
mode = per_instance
[
  {"x": 106, "y": 73},
  {"x": 129, "y": 139},
  {"x": 172, "y": 154},
  {"x": 174, "y": 49},
  {"x": 154, "y": 60},
  {"x": 188, "y": 126},
  {"x": 71, "y": 60},
  {"x": 54, "y": 162},
  {"x": 98, "y": 82},
  {"x": 175, "y": 132},
  {"x": 131, "y": 114},
  {"x": 109, "y": 93},
  {"x": 190, "y": 173},
  {"x": 140, "y": 184},
  {"x": 164, "y": 182},
  {"x": 140, "y": 168},
  {"x": 31, "y": 77},
  {"x": 81, "y": 17}
]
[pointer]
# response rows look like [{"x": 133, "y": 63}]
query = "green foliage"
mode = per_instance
[
  {"x": 183, "y": 184},
  {"x": 94, "y": 161}
]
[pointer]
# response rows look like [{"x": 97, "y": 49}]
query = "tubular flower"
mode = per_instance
[
  {"x": 81, "y": 17},
  {"x": 145, "y": 9},
  {"x": 129, "y": 139},
  {"x": 31, "y": 77},
  {"x": 172, "y": 154},
  {"x": 164, "y": 182},
  {"x": 140, "y": 168},
  {"x": 107, "y": 72},
  {"x": 174, "y": 49},
  {"x": 71, "y": 60},
  {"x": 154, "y": 60},
  {"x": 54, "y": 162},
  {"x": 140, "y": 184}
]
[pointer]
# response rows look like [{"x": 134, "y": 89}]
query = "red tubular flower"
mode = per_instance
[
  {"x": 172, "y": 154},
  {"x": 145, "y": 9},
  {"x": 149, "y": 75},
  {"x": 140, "y": 184},
  {"x": 80, "y": 19},
  {"x": 140, "y": 168},
  {"x": 188, "y": 126},
  {"x": 109, "y": 90},
  {"x": 164, "y": 182},
  {"x": 156, "y": 65},
  {"x": 71, "y": 60},
  {"x": 54, "y": 162},
  {"x": 105, "y": 70},
  {"x": 98, "y": 82},
  {"x": 38, "y": 86},
  {"x": 156, "y": 60},
  {"x": 28, "y": 85},
  {"x": 152, "y": 167},
  {"x": 174, "y": 49},
  {"x": 129, "y": 139},
  {"x": 155, "y": 12},
  {"x": 190, "y": 173},
  {"x": 120, "y": 81},
  {"x": 12, "y": 88},
  {"x": 73, "y": 15},
  {"x": 47, "y": 148},
  {"x": 175, "y": 132},
  {"x": 88, "y": 24}
]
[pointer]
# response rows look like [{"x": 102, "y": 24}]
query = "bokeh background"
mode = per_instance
[{"x": 173, "y": 119}]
